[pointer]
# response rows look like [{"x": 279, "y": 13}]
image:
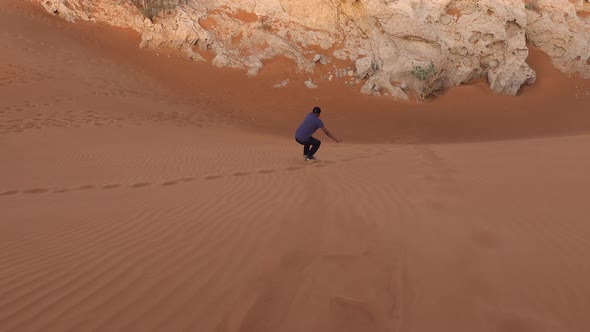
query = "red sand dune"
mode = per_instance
[{"x": 143, "y": 192}]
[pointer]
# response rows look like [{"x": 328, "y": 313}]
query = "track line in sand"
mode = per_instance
[{"x": 365, "y": 154}]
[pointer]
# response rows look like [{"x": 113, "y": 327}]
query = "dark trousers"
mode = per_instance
[{"x": 314, "y": 143}]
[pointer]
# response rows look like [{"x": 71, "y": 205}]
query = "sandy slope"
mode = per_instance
[{"x": 138, "y": 195}]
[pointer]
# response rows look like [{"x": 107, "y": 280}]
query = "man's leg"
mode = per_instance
[
  {"x": 306, "y": 146},
  {"x": 315, "y": 145},
  {"x": 306, "y": 149}
]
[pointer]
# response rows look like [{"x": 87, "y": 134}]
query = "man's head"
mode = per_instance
[{"x": 317, "y": 111}]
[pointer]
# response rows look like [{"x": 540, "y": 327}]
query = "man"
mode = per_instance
[{"x": 310, "y": 124}]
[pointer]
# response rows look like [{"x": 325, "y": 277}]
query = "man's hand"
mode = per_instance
[{"x": 336, "y": 139}]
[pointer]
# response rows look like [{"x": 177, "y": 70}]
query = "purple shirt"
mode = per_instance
[{"x": 310, "y": 124}]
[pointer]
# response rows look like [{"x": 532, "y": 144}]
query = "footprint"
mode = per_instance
[
  {"x": 86, "y": 187},
  {"x": 513, "y": 322},
  {"x": 36, "y": 191},
  {"x": 213, "y": 177},
  {"x": 485, "y": 239},
  {"x": 61, "y": 191},
  {"x": 10, "y": 192},
  {"x": 169, "y": 183},
  {"x": 293, "y": 168},
  {"x": 111, "y": 186},
  {"x": 140, "y": 184},
  {"x": 240, "y": 173},
  {"x": 429, "y": 178},
  {"x": 351, "y": 315},
  {"x": 437, "y": 206}
]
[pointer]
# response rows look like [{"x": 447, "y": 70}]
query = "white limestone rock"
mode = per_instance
[
  {"x": 282, "y": 84},
  {"x": 384, "y": 39},
  {"x": 309, "y": 84}
]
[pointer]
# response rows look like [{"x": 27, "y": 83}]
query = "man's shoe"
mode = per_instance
[{"x": 310, "y": 158}]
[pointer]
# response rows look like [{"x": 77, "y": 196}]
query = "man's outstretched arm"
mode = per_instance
[{"x": 336, "y": 139}]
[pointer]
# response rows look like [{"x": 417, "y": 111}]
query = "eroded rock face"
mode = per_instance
[
  {"x": 380, "y": 41},
  {"x": 563, "y": 32}
]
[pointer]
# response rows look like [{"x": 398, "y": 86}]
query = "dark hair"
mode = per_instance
[{"x": 316, "y": 110}]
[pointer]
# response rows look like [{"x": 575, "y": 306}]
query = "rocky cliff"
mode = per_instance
[{"x": 383, "y": 46}]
